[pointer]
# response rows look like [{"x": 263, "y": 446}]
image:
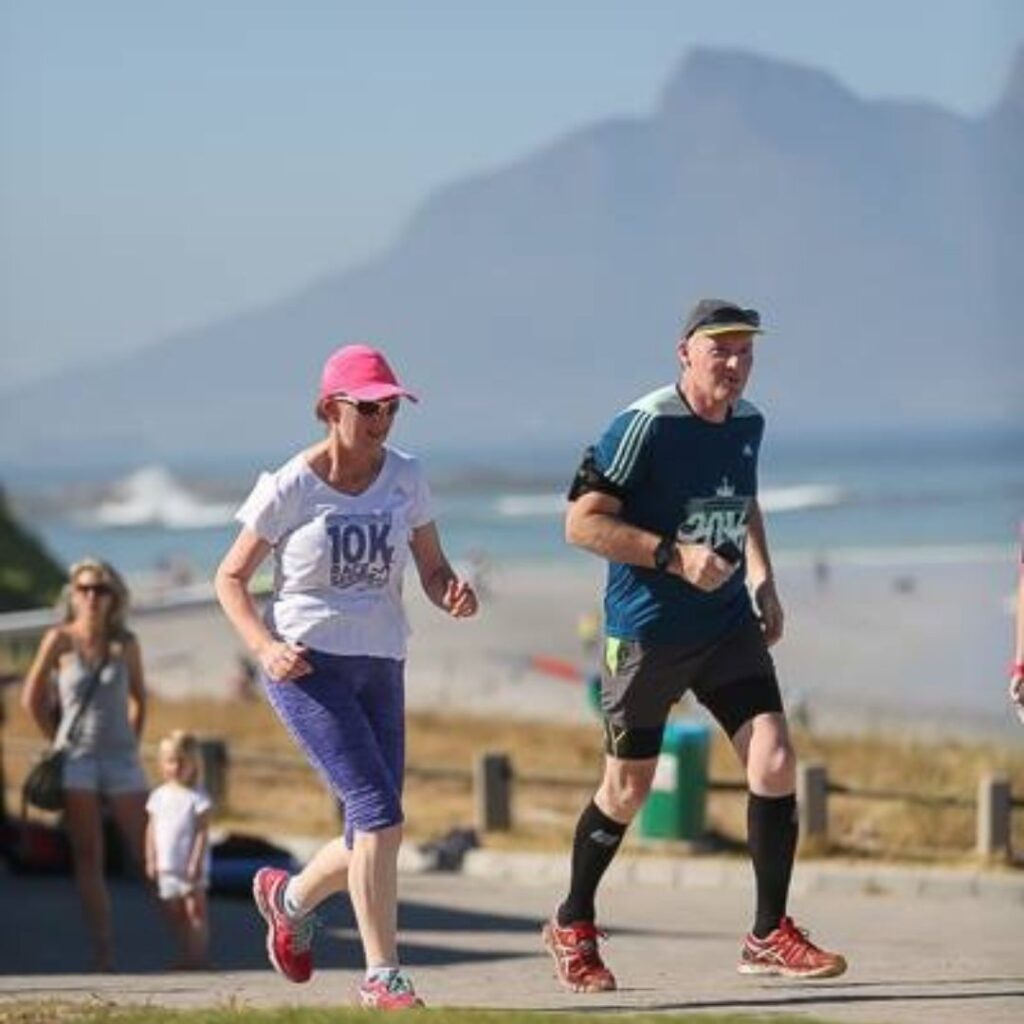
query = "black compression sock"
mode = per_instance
[
  {"x": 771, "y": 837},
  {"x": 596, "y": 842}
]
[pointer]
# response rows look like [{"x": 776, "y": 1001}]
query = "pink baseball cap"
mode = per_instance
[{"x": 360, "y": 372}]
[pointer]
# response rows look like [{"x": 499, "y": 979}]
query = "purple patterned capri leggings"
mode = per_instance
[{"x": 348, "y": 716}]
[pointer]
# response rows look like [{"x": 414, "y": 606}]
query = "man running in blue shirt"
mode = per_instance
[{"x": 668, "y": 496}]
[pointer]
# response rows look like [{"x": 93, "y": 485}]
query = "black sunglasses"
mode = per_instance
[
  {"x": 99, "y": 589},
  {"x": 364, "y": 408}
]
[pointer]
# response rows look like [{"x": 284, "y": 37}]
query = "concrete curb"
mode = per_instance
[
  {"x": 681, "y": 872},
  {"x": 808, "y": 877}
]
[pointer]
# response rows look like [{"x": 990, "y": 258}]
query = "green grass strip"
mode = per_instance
[{"x": 78, "y": 1013}]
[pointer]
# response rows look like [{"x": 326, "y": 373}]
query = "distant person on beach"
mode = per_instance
[
  {"x": 1017, "y": 668},
  {"x": 821, "y": 571},
  {"x": 178, "y": 846},
  {"x": 478, "y": 572},
  {"x": 342, "y": 518},
  {"x": 91, "y": 654},
  {"x": 242, "y": 682},
  {"x": 176, "y": 570},
  {"x": 588, "y": 629},
  {"x": 668, "y": 496}
]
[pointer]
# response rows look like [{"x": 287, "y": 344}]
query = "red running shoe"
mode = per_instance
[
  {"x": 788, "y": 951},
  {"x": 288, "y": 941},
  {"x": 577, "y": 962}
]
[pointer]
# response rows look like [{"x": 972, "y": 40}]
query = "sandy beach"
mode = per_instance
[{"x": 916, "y": 647}]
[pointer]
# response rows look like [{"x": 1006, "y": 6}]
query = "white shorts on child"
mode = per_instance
[{"x": 171, "y": 886}]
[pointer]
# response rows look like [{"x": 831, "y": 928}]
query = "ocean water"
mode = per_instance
[
  {"x": 958, "y": 498},
  {"x": 911, "y": 626}
]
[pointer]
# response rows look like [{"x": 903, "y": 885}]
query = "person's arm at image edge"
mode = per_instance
[{"x": 1017, "y": 668}]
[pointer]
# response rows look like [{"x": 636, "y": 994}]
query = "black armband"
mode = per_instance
[{"x": 589, "y": 478}]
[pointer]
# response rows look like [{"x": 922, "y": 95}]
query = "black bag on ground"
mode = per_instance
[
  {"x": 235, "y": 859},
  {"x": 44, "y": 784},
  {"x": 35, "y": 848}
]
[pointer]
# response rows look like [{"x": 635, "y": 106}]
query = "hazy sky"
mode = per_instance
[{"x": 163, "y": 164}]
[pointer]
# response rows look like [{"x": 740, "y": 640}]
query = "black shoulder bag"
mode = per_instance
[{"x": 44, "y": 785}]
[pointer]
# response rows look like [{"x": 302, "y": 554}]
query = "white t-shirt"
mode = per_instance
[
  {"x": 339, "y": 558},
  {"x": 174, "y": 811}
]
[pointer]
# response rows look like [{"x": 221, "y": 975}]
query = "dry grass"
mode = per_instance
[
  {"x": 271, "y": 790},
  {"x": 904, "y": 829}
]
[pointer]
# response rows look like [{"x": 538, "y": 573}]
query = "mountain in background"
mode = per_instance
[{"x": 526, "y": 304}]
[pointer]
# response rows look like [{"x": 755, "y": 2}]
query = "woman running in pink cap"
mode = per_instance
[{"x": 342, "y": 518}]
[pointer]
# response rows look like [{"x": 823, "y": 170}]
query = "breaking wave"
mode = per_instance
[
  {"x": 153, "y": 496},
  {"x": 792, "y": 498}
]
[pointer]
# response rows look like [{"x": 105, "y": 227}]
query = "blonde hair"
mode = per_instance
[
  {"x": 183, "y": 744},
  {"x": 116, "y": 628}
]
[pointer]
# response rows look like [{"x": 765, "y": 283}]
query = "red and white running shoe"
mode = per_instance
[
  {"x": 788, "y": 951},
  {"x": 288, "y": 941},
  {"x": 394, "y": 992},
  {"x": 578, "y": 963}
]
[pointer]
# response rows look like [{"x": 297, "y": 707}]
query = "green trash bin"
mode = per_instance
[{"x": 677, "y": 802}]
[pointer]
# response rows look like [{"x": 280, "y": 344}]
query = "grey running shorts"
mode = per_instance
[{"x": 733, "y": 677}]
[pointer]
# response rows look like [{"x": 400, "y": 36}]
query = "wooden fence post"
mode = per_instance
[
  {"x": 994, "y": 806},
  {"x": 213, "y": 754},
  {"x": 492, "y": 786},
  {"x": 812, "y": 800}
]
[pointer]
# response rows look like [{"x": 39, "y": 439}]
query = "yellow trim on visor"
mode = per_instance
[{"x": 728, "y": 328}]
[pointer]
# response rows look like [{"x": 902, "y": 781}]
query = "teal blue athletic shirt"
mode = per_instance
[{"x": 679, "y": 474}]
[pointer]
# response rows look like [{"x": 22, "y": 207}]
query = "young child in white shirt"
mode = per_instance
[{"x": 177, "y": 846}]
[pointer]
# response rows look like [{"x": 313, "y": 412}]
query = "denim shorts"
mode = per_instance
[{"x": 111, "y": 773}]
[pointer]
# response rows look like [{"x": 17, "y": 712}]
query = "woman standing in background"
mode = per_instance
[{"x": 91, "y": 649}]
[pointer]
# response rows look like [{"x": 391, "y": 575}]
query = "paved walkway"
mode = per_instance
[{"x": 949, "y": 952}]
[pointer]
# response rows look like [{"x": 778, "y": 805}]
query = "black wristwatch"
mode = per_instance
[{"x": 665, "y": 553}]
